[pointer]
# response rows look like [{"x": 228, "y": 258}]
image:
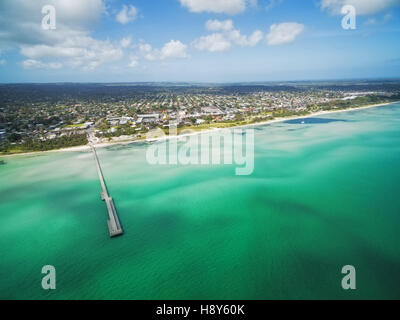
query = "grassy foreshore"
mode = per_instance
[{"x": 184, "y": 131}]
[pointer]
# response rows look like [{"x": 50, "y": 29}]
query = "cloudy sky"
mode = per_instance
[{"x": 197, "y": 40}]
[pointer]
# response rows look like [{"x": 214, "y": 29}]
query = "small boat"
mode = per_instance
[{"x": 303, "y": 122}]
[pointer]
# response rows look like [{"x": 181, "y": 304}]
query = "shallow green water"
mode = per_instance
[{"x": 323, "y": 194}]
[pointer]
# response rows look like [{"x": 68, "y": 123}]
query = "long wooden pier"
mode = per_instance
[{"x": 114, "y": 226}]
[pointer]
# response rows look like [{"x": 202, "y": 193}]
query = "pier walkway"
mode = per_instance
[{"x": 114, "y": 226}]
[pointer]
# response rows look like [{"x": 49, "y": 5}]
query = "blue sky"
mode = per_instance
[{"x": 198, "y": 40}]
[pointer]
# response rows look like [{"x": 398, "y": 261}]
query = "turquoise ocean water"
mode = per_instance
[{"x": 324, "y": 194}]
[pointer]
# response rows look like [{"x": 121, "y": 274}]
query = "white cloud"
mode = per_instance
[
  {"x": 217, "y": 6},
  {"x": 145, "y": 48},
  {"x": 255, "y": 38},
  {"x": 35, "y": 64},
  {"x": 70, "y": 45},
  {"x": 284, "y": 33},
  {"x": 244, "y": 41},
  {"x": 133, "y": 61},
  {"x": 215, "y": 42},
  {"x": 126, "y": 42},
  {"x": 147, "y": 52},
  {"x": 363, "y": 7},
  {"x": 80, "y": 51},
  {"x": 174, "y": 49},
  {"x": 272, "y": 4},
  {"x": 16, "y": 16},
  {"x": 217, "y": 25},
  {"x": 3, "y": 62},
  {"x": 78, "y": 12},
  {"x": 226, "y": 36},
  {"x": 127, "y": 14}
]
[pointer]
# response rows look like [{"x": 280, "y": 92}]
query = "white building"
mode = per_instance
[{"x": 148, "y": 118}]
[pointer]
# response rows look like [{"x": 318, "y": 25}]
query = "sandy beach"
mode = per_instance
[{"x": 87, "y": 148}]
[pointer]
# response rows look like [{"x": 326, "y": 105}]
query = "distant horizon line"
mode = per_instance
[{"x": 208, "y": 83}]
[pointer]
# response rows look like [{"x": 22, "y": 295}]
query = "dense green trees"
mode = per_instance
[
  {"x": 122, "y": 130},
  {"x": 357, "y": 102},
  {"x": 30, "y": 145}
]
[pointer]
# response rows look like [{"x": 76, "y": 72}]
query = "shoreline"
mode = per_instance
[{"x": 167, "y": 137}]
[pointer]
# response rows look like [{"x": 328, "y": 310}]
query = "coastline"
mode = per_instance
[{"x": 86, "y": 148}]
